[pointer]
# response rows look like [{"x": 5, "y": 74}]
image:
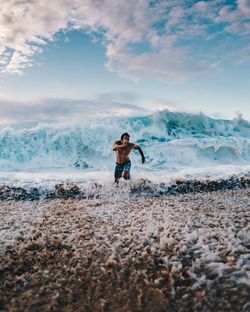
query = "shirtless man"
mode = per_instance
[{"x": 123, "y": 164}]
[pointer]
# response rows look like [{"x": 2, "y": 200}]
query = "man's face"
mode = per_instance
[{"x": 125, "y": 139}]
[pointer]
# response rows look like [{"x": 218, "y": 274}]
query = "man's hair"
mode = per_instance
[{"x": 123, "y": 135}]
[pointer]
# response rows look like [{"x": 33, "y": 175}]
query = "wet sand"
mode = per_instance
[{"x": 189, "y": 252}]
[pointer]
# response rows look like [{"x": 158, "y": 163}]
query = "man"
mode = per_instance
[{"x": 123, "y": 164}]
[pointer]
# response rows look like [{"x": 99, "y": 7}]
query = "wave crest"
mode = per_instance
[{"x": 169, "y": 140}]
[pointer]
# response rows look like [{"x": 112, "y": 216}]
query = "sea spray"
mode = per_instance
[
  {"x": 169, "y": 140},
  {"x": 140, "y": 188}
]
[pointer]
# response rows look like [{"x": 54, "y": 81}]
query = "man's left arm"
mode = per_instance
[{"x": 138, "y": 148}]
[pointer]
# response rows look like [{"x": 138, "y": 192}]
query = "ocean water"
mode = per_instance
[{"x": 175, "y": 145}]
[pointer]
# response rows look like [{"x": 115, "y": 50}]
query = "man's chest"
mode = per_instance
[{"x": 125, "y": 150}]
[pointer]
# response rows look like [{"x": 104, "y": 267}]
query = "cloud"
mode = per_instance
[
  {"x": 163, "y": 27},
  {"x": 29, "y": 114},
  {"x": 242, "y": 55},
  {"x": 238, "y": 27},
  {"x": 237, "y": 18},
  {"x": 27, "y": 25},
  {"x": 242, "y": 11},
  {"x": 166, "y": 65}
]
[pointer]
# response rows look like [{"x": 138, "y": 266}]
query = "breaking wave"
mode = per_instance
[{"x": 169, "y": 140}]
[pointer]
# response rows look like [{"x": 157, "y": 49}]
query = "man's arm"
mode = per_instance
[
  {"x": 118, "y": 145},
  {"x": 137, "y": 147}
]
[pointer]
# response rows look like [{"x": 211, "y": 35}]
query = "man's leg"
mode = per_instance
[
  {"x": 126, "y": 175},
  {"x": 126, "y": 171},
  {"x": 118, "y": 173}
]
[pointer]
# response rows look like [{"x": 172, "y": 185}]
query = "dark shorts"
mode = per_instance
[{"x": 120, "y": 168}]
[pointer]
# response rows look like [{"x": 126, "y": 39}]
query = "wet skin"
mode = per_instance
[{"x": 123, "y": 149}]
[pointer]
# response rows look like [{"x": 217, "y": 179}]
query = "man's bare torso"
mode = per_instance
[{"x": 122, "y": 154}]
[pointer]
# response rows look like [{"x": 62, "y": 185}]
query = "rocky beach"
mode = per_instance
[
  {"x": 175, "y": 252},
  {"x": 124, "y": 156}
]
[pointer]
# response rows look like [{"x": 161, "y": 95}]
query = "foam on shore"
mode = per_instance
[
  {"x": 174, "y": 253},
  {"x": 141, "y": 187}
]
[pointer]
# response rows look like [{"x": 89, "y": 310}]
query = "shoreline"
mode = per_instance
[
  {"x": 170, "y": 253},
  {"x": 142, "y": 187}
]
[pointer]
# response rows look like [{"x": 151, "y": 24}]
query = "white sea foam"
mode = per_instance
[{"x": 175, "y": 145}]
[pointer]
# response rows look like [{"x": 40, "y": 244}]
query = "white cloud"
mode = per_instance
[
  {"x": 237, "y": 27},
  {"x": 27, "y": 25},
  {"x": 239, "y": 15},
  {"x": 165, "y": 65},
  {"x": 238, "y": 20},
  {"x": 243, "y": 55},
  {"x": 244, "y": 7},
  {"x": 29, "y": 114}
]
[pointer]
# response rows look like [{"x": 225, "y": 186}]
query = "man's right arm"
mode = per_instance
[{"x": 118, "y": 145}]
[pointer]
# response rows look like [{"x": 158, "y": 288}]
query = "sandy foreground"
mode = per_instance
[{"x": 188, "y": 252}]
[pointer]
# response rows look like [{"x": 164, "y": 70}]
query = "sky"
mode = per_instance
[{"x": 69, "y": 59}]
